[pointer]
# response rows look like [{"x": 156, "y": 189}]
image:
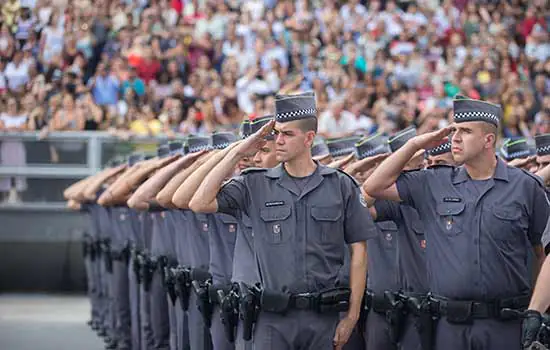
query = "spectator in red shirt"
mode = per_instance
[
  {"x": 149, "y": 66},
  {"x": 526, "y": 26}
]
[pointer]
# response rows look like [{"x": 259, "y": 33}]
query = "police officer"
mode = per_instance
[
  {"x": 440, "y": 155},
  {"x": 480, "y": 210},
  {"x": 542, "y": 143},
  {"x": 540, "y": 302},
  {"x": 301, "y": 211}
]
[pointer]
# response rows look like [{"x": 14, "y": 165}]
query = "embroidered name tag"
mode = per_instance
[
  {"x": 274, "y": 204},
  {"x": 452, "y": 200}
]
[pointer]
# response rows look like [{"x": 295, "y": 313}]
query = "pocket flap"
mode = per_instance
[
  {"x": 418, "y": 227},
  {"x": 387, "y": 226},
  {"x": 329, "y": 213},
  {"x": 446, "y": 209},
  {"x": 227, "y": 219},
  {"x": 275, "y": 213},
  {"x": 509, "y": 212},
  {"x": 246, "y": 221}
]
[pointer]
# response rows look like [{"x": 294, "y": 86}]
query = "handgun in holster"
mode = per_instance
[
  {"x": 396, "y": 316},
  {"x": 136, "y": 267},
  {"x": 148, "y": 267},
  {"x": 182, "y": 285},
  {"x": 205, "y": 306},
  {"x": 249, "y": 308},
  {"x": 426, "y": 313},
  {"x": 229, "y": 311},
  {"x": 107, "y": 256},
  {"x": 365, "y": 309},
  {"x": 169, "y": 279}
]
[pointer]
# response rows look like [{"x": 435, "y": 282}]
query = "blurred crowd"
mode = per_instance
[{"x": 191, "y": 66}]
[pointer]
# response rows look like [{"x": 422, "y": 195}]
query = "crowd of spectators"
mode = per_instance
[{"x": 191, "y": 66}]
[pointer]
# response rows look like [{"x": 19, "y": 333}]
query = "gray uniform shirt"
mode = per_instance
[
  {"x": 381, "y": 258},
  {"x": 410, "y": 245},
  {"x": 119, "y": 239},
  {"x": 196, "y": 245},
  {"x": 477, "y": 239},
  {"x": 299, "y": 235},
  {"x": 222, "y": 247},
  {"x": 245, "y": 267}
]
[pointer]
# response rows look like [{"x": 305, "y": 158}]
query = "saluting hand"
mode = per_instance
[
  {"x": 365, "y": 164},
  {"x": 431, "y": 139},
  {"x": 340, "y": 163},
  {"x": 255, "y": 142}
]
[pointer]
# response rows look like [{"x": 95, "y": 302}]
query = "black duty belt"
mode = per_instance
[
  {"x": 330, "y": 300},
  {"x": 465, "y": 311},
  {"x": 377, "y": 303}
]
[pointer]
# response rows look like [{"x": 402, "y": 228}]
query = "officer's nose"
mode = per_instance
[
  {"x": 256, "y": 159},
  {"x": 279, "y": 139}
]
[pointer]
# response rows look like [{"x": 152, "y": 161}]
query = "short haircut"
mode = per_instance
[
  {"x": 489, "y": 128},
  {"x": 308, "y": 124}
]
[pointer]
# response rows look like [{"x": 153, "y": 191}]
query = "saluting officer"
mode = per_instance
[
  {"x": 302, "y": 215},
  {"x": 481, "y": 220}
]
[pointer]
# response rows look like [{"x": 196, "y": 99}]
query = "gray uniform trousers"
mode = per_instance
[
  {"x": 240, "y": 343},
  {"x": 298, "y": 329},
  {"x": 146, "y": 331},
  {"x": 411, "y": 338},
  {"x": 182, "y": 327},
  {"x": 199, "y": 335},
  {"x": 92, "y": 289},
  {"x": 109, "y": 302},
  {"x": 122, "y": 305},
  {"x": 134, "y": 308},
  {"x": 377, "y": 336},
  {"x": 486, "y": 334},
  {"x": 157, "y": 294}
]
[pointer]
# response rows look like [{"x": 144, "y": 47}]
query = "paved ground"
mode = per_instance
[{"x": 45, "y": 322}]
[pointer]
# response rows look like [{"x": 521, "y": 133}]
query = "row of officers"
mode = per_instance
[{"x": 264, "y": 241}]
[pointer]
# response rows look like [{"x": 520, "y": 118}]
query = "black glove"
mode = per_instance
[{"x": 532, "y": 321}]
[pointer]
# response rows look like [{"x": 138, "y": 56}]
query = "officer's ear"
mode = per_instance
[
  {"x": 490, "y": 132},
  {"x": 310, "y": 137}
]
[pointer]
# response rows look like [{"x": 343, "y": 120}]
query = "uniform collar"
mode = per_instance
[
  {"x": 284, "y": 180},
  {"x": 501, "y": 173}
]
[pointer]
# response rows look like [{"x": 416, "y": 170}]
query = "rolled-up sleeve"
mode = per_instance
[
  {"x": 233, "y": 197},
  {"x": 411, "y": 185}
]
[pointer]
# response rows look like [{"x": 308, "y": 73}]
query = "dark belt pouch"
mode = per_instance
[
  {"x": 334, "y": 300},
  {"x": 275, "y": 302},
  {"x": 459, "y": 312}
]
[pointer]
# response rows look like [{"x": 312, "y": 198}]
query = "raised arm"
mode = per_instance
[
  {"x": 204, "y": 199},
  {"x": 145, "y": 193},
  {"x": 164, "y": 197},
  {"x": 544, "y": 174},
  {"x": 187, "y": 189},
  {"x": 73, "y": 191},
  {"x": 90, "y": 191},
  {"x": 381, "y": 184}
]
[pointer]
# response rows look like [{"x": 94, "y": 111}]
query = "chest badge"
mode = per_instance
[
  {"x": 122, "y": 217},
  {"x": 205, "y": 227},
  {"x": 363, "y": 201},
  {"x": 162, "y": 214},
  {"x": 389, "y": 237},
  {"x": 232, "y": 228},
  {"x": 449, "y": 223},
  {"x": 423, "y": 244},
  {"x": 277, "y": 229}
]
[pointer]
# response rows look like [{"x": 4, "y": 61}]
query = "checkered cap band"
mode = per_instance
[
  {"x": 519, "y": 154},
  {"x": 441, "y": 149},
  {"x": 342, "y": 152},
  {"x": 543, "y": 150},
  {"x": 380, "y": 149},
  {"x": 194, "y": 149},
  {"x": 297, "y": 114},
  {"x": 476, "y": 116}
]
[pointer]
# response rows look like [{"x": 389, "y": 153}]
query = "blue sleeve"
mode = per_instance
[
  {"x": 358, "y": 224},
  {"x": 411, "y": 185},
  {"x": 538, "y": 220},
  {"x": 387, "y": 210},
  {"x": 233, "y": 197}
]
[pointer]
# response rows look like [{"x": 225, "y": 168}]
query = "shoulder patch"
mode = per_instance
[
  {"x": 252, "y": 170},
  {"x": 349, "y": 176}
]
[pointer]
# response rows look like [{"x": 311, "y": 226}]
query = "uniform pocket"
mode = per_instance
[
  {"x": 277, "y": 227},
  {"x": 449, "y": 221},
  {"x": 327, "y": 222},
  {"x": 507, "y": 222},
  {"x": 388, "y": 229}
]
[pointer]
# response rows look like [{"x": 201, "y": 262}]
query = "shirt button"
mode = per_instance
[{"x": 475, "y": 261}]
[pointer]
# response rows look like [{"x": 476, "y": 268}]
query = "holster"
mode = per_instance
[
  {"x": 107, "y": 258},
  {"x": 275, "y": 302},
  {"x": 204, "y": 304},
  {"x": 249, "y": 308},
  {"x": 334, "y": 300},
  {"x": 229, "y": 311},
  {"x": 136, "y": 264},
  {"x": 182, "y": 285},
  {"x": 426, "y": 319},
  {"x": 169, "y": 280},
  {"x": 148, "y": 267},
  {"x": 396, "y": 316}
]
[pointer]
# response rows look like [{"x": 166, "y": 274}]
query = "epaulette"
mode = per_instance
[
  {"x": 536, "y": 177},
  {"x": 252, "y": 170},
  {"x": 349, "y": 176}
]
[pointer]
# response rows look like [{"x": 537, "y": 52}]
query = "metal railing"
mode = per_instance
[{"x": 54, "y": 162}]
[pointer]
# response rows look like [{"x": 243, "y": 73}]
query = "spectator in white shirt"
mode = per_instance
[
  {"x": 17, "y": 72},
  {"x": 336, "y": 121}
]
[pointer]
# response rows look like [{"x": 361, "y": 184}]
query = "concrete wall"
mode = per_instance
[{"x": 40, "y": 249}]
